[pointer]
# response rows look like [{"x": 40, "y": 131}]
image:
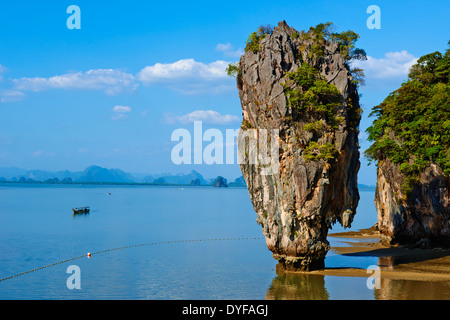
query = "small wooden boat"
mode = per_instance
[{"x": 81, "y": 210}]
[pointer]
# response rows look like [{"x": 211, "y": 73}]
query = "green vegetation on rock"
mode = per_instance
[
  {"x": 323, "y": 33},
  {"x": 315, "y": 151},
  {"x": 253, "y": 44},
  {"x": 307, "y": 91},
  {"x": 412, "y": 125},
  {"x": 233, "y": 69},
  {"x": 253, "y": 41},
  {"x": 316, "y": 99}
]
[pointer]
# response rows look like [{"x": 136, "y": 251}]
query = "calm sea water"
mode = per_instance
[{"x": 37, "y": 229}]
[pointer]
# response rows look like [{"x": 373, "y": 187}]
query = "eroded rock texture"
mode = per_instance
[
  {"x": 423, "y": 217},
  {"x": 299, "y": 202}
]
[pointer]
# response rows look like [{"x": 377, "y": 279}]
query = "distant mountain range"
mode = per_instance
[{"x": 96, "y": 174}]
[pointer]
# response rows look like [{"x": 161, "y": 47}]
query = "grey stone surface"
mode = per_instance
[{"x": 301, "y": 200}]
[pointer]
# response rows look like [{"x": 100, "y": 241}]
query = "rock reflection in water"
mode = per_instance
[
  {"x": 397, "y": 289},
  {"x": 352, "y": 283},
  {"x": 297, "y": 286}
]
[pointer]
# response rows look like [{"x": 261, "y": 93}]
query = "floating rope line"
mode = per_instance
[{"x": 90, "y": 254}]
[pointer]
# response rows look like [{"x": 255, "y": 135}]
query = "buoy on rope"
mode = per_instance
[{"x": 89, "y": 255}]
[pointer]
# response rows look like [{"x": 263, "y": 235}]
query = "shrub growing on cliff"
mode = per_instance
[
  {"x": 346, "y": 41},
  {"x": 233, "y": 69},
  {"x": 315, "y": 151},
  {"x": 323, "y": 33},
  {"x": 253, "y": 41},
  {"x": 315, "y": 99},
  {"x": 412, "y": 127},
  {"x": 307, "y": 91},
  {"x": 316, "y": 126}
]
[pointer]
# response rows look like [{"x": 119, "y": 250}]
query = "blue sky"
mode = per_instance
[{"x": 112, "y": 93}]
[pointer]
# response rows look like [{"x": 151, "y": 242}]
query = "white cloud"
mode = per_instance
[
  {"x": 182, "y": 69},
  {"x": 224, "y": 47},
  {"x": 108, "y": 80},
  {"x": 120, "y": 112},
  {"x": 122, "y": 109},
  {"x": 186, "y": 76},
  {"x": 11, "y": 95},
  {"x": 229, "y": 51},
  {"x": 189, "y": 77},
  {"x": 394, "y": 65},
  {"x": 207, "y": 116}
]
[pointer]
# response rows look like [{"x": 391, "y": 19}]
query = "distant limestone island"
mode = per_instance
[{"x": 99, "y": 175}]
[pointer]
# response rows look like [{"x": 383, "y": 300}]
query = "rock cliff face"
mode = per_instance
[
  {"x": 411, "y": 145},
  {"x": 423, "y": 217},
  {"x": 313, "y": 182}
]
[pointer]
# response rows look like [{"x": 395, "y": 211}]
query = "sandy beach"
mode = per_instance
[
  {"x": 395, "y": 262},
  {"x": 404, "y": 273}
]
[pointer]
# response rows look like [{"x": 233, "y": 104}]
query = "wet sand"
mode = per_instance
[
  {"x": 395, "y": 262},
  {"x": 403, "y": 273}
]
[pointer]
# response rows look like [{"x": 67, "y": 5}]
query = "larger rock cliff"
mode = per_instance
[
  {"x": 300, "y": 85},
  {"x": 411, "y": 145}
]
